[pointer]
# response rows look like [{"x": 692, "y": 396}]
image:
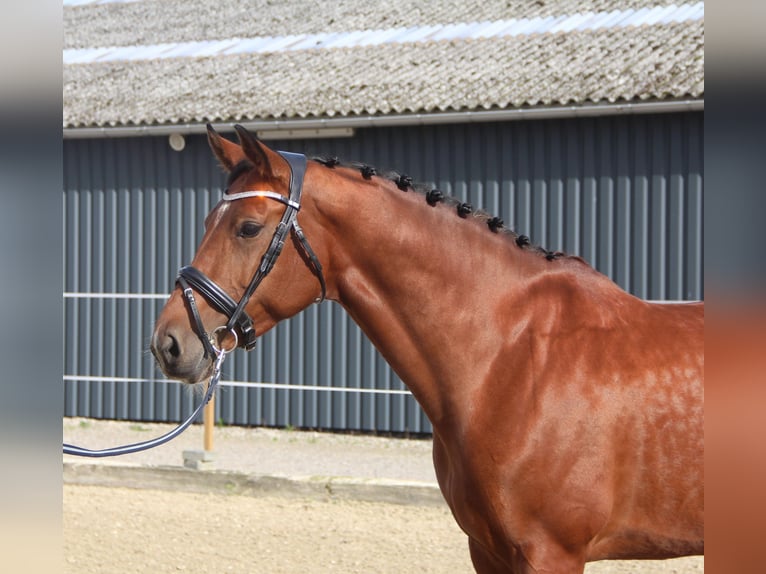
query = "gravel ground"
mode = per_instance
[
  {"x": 123, "y": 530},
  {"x": 119, "y": 530},
  {"x": 263, "y": 451}
]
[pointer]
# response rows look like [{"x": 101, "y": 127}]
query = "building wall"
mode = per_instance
[{"x": 623, "y": 192}]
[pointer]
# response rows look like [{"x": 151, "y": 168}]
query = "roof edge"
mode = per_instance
[{"x": 414, "y": 119}]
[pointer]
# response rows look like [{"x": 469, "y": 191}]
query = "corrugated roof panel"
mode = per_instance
[
  {"x": 657, "y": 14},
  {"x": 87, "y": 55},
  {"x": 148, "y": 22},
  {"x": 542, "y": 25},
  {"x": 147, "y": 52},
  {"x": 686, "y": 12},
  {"x": 188, "y": 50},
  {"x": 490, "y": 29},
  {"x": 612, "y": 18},
  {"x": 470, "y": 30},
  {"x": 295, "y": 42},
  {"x": 344, "y": 40},
  {"x": 447, "y": 32},
  {"x": 554, "y": 22},
  {"x": 571, "y": 23},
  {"x": 579, "y": 67},
  {"x": 490, "y": 63},
  {"x": 248, "y": 45},
  {"x": 634, "y": 19},
  {"x": 418, "y": 33},
  {"x": 279, "y": 43},
  {"x": 376, "y": 37},
  {"x": 487, "y": 29},
  {"x": 174, "y": 51},
  {"x": 518, "y": 27},
  {"x": 590, "y": 22},
  {"x": 600, "y": 20},
  {"x": 648, "y": 18},
  {"x": 466, "y": 30},
  {"x": 699, "y": 13},
  {"x": 398, "y": 36},
  {"x": 307, "y": 41}
]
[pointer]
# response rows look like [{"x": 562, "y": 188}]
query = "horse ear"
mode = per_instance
[
  {"x": 268, "y": 163},
  {"x": 227, "y": 152},
  {"x": 254, "y": 151}
]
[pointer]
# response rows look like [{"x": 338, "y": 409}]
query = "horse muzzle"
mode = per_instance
[{"x": 180, "y": 354}]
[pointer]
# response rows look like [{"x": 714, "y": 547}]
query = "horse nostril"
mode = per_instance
[
  {"x": 165, "y": 347},
  {"x": 172, "y": 347}
]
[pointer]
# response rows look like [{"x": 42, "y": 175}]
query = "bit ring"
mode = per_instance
[{"x": 214, "y": 339}]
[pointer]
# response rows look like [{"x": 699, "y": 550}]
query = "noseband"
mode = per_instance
[{"x": 190, "y": 278}]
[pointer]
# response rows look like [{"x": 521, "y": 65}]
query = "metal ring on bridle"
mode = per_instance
[{"x": 214, "y": 339}]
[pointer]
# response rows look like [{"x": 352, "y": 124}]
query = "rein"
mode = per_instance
[
  {"x": 190, "y": 278},
  {"x": 145, "y": 445}
]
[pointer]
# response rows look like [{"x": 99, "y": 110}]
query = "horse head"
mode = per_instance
[{"x": 234, "y": 267}]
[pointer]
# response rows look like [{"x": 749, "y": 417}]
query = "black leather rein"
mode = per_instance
[{"x": 190, "y": 278}]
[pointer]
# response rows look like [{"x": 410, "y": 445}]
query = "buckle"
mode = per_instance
[{"x": 248, "y": 337}]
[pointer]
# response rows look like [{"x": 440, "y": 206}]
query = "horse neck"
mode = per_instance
[{"x": 425, "y": 285}]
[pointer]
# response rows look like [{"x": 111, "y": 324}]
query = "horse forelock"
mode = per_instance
[{"x": 238, "y": 170}]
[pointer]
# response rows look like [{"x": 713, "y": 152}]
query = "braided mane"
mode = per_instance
[{"x": 434, "y": 196}]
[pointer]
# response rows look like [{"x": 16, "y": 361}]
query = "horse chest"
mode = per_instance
[{"x": 475, "y": 494}]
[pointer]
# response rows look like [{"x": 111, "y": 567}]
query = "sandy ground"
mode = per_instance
[
  {"x": 262, "y": 450},
  {"x": 121, "y": 530},
  {"x": 113, "y": 529}
]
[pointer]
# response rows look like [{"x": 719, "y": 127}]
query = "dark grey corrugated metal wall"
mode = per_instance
[{"x": 623, "y": 192}]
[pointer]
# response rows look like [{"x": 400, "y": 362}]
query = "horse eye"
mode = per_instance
[{"x": 249, "y": 229}]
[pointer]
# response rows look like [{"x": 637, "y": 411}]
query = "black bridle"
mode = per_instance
[{"x": 190, "y": 278}]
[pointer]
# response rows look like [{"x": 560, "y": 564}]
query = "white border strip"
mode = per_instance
[{"x": 359, "y": 38}]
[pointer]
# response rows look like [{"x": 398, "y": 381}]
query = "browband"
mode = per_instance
[{"x": 255, "y": 193}]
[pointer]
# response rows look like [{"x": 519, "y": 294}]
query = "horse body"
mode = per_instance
[
  {"x": 574, "y": 464},
  {"x": 567, "y": 414},
  {"x": 547, "y": 389}
]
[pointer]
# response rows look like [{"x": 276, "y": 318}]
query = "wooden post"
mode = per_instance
[
  {"x": 203, "y": 459},
  {"x": 208, "y": 421}
]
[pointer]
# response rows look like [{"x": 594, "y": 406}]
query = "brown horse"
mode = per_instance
[{"x": 567, "y": 414}]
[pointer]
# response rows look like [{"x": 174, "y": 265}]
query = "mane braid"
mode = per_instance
[
  {"x": 328, "y": 161},
  {"x": 494, "y": 224},
  {"x": 367, "y": 171},
  {"x": 403, "y": 182},
  {"x": 464, "y": 209},
  {"x": 434, "y": 196}
]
